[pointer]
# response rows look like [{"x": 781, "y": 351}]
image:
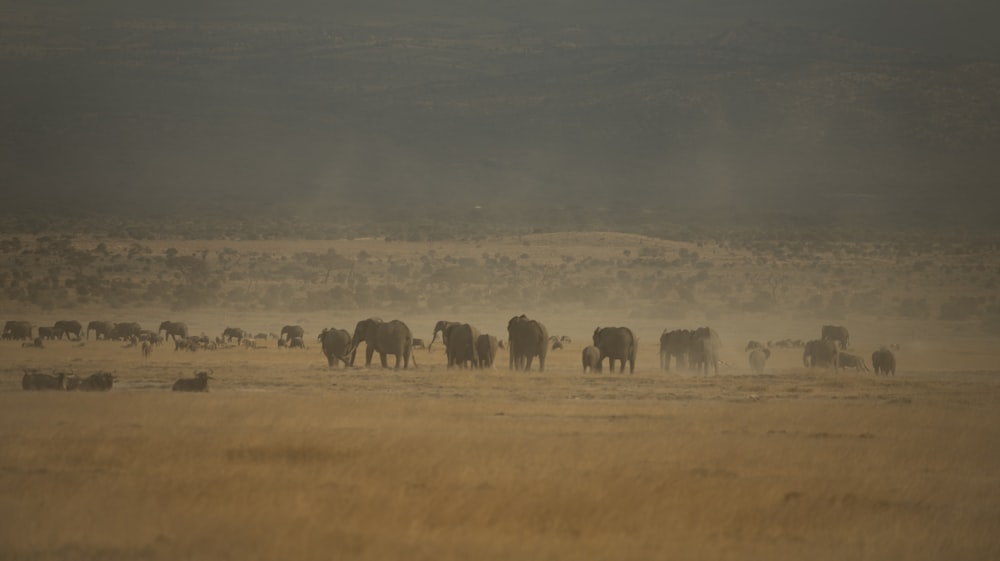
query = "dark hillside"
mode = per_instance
[{"x": 152, "y": 108}]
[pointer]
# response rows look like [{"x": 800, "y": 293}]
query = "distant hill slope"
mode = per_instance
[{"x": 128, "y": 107}]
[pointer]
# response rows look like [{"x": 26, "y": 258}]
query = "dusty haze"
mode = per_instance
[{"x": 128, "y": 108}]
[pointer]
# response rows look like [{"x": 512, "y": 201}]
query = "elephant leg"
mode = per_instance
[
  {"x": 399, "y": 359},
  {"x": 384, "y": 359},
  {"x": 368, "y": 356}
]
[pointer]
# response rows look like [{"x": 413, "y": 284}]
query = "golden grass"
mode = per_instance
[{"x": 286, "y": 459}]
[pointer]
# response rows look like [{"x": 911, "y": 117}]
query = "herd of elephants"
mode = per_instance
[{"x": 527, "y": 340}]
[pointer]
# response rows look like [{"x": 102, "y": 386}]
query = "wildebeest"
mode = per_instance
[
  {"x": 884, "y": 362},
  {"x": 847, "y": 360},
  {"x": 34, "y": 380},
  {"x": 37, "y": 343},
  {"x": 147, "y": 349},
  {"x": 197, "y": 384},
  {"x": 751, "y": 345},
  {"x": 97, "y": 382}
]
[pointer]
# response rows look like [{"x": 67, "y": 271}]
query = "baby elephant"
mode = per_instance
[
  {"x": 591, "y": 359},
  {"x": 197, "y": 384},
  {"x": 758, "y": 358}
]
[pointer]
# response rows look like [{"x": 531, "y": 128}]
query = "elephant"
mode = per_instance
[
  {"x": 847, "y": 360},
  {"x": 527, "y": 339},
  {"x": 231, "y": 333},
  {"x": 296, "y": 343},
  {"x": 616, "y": 343},
  {"x": 837, "y": 333},
  {"x": 290, "y": 332},
  {"x": 101, "y": 329},
  {"x": 70, "y": 328},
  {"x": 705, "y": 348},
  {"x": 758, "y": 358},
  {"x": 173, "y": 329},
  {"x": 442, "y": 327},
  {"x": 884, "y": 362},
  {"x": 336, "y": 345},
  {"x": 18, "y": 330},
  {"x": 385, "y": 338},
  {"x": 125, "y": 330},
  {"x": 49, "y": 333},
  {"x": 592, "y": 359},
  {"x": 821, "y": 352},
  {"x": 674, "y": 344},
  {"x": 486, "y": 348},
  {"x": 460, "y": 344}
]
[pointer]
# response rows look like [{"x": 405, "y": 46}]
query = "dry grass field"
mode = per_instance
[{"x": 286, "y": 458}]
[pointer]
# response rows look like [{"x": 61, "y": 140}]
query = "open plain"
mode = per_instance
[{"x": 287, "y": 458}]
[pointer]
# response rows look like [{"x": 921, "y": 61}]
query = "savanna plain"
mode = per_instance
[{"x": 287, "y": 458}]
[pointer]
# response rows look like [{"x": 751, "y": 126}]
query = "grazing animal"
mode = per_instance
[
  {"x": 173, "y": 329},
  {"x": 836, "y": 333},
  {"x": 758, "y": 358},
  {"x": 705, "y": 348},
  {"x": 751, "y": 345},
  {"x": 336, "y": 346},
  {"x": 290, "y": 332},
  {"x": 33, "y": 380},
  {"x": 847, "y": 360},
  {"x": 49, "y": 333},
  {"x": 197, "y": 384},
  {"x": 821, "y": 353},
  {"x": 296, "y": 343},
  {"x": 591, "y": 356},
  {"x": 556, "y": 343},
  {"x": 419, "y": 343},
  {"x": 97, "y": 382},
  {"x": 527, "y": 339},
  {"x": 385, "y": 338},
  {"x": 36, "y": 344},
  {"x": 17, "y": 330},
  {"x": 147, "y": 349},
  {"x": 616, "y": 343},
  {"x": 231, "y": 333},
  {"x": 70, "y": 328},
  {"x": 884, "y": 362},
  {"x": 486, "y": 350},
  {"x": 674, "y": 344}
]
